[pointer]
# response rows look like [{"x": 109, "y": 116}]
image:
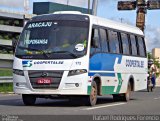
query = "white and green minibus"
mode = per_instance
[{"x": 70, "y": 54}]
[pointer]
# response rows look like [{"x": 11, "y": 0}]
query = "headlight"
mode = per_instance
[
  {"x": 18, "y": 72},
  {"x": 77, "y": 72}
]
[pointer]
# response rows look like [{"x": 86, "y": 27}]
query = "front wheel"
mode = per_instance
[
  {"x": 28, "y": 99},
  {"x": 92, "y": 98}
]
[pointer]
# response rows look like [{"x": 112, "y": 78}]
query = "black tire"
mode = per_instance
[
  {"x": 92, "y": 98},
  {"x": 126, "y": 96},
  {"x": 28, "y": 99}
]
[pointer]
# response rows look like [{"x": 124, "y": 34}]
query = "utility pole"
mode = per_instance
[
  {"x": 94, "y": 7},
  {"x": 142, "y": 6},
  {"x": 141, "y": 11},
  {"x": 26, "y": 5},
  {"x": 67, "y": 2},
  {"x": 88, "y": 6}
]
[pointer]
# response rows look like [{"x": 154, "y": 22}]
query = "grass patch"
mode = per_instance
[
  {"x": 5, "y": 72},
  {"x": 6, "y": 87}
]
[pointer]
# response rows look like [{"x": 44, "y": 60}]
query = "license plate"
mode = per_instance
[{"x": 44, "y": 81}]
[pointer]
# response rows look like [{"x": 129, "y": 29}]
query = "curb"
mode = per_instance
[{"x": 6, "y": 92}]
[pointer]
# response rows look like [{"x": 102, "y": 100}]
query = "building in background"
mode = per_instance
[
  {"x": 11, "y": 25},
  {"x": 156, "y": 53},
  {"x": 50, "y": 7}
]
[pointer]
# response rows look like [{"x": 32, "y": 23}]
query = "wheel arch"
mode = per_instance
[
  {"x": 97, "y": 79},
  {"x": 132, "y": 82}
]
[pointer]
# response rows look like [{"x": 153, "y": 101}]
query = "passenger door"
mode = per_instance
[{"x": 95, "y": 50}]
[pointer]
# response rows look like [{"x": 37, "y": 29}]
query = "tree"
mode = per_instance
[
  {"x": 156, "y": 62},
  {"x": 149, "y": 55}
]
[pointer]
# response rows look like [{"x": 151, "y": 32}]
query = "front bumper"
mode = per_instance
[{"x": 73, "y": 85}]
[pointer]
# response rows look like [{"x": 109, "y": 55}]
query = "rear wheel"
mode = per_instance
[
  {"x": 126, "y": 96},
  {"x": 92, "y": 98},
  {"x": 28, "y": 99}
]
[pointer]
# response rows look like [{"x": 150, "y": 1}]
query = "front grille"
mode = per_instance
[{"x": 55, "y": 77}]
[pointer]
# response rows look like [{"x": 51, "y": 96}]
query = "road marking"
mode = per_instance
[
  {"x": 104, "y": 106},
  {"x": 157, "y": 98}
]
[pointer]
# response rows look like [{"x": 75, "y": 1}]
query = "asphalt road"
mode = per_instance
[{"x": 141, "y": 103}]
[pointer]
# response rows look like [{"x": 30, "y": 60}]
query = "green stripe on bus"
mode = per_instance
[
  {"x": 105, "y": 90},
  {"x": 110, "y": 89},
  {"x": 119, "y": 83},
  {"x": 89, "y": 90}
]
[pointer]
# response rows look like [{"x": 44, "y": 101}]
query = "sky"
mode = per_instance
[{"x": 106, "y": 9}]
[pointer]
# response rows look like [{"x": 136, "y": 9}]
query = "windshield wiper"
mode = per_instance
[
  {"x": 72, "y": 54},
  {"x": 44, "y": 53}
]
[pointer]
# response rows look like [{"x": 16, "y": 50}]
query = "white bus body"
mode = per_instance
[{"x": 37, "y": 73}]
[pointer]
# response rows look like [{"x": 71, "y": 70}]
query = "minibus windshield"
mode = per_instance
[{"x": 53, "y": 39}]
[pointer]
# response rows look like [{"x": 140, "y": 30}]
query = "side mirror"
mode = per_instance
[
  {"x": 14, "y": 44},
  {"x": 95, "y": 42}
]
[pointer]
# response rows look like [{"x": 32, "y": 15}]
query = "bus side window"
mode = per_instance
[
  {"x": 95, "y": 43},
  {"x": 104, "y": 40},
  {"x": 133, "y": 45},
  {"x": 113, "y": 42},
  {"x": 125, "y": 43},
  {"x": 141, "y": 46}
]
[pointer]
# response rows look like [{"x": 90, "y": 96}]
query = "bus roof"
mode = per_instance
[
  {"x": 94, "y": 20},
  {"x": 115, "y": 25}
]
